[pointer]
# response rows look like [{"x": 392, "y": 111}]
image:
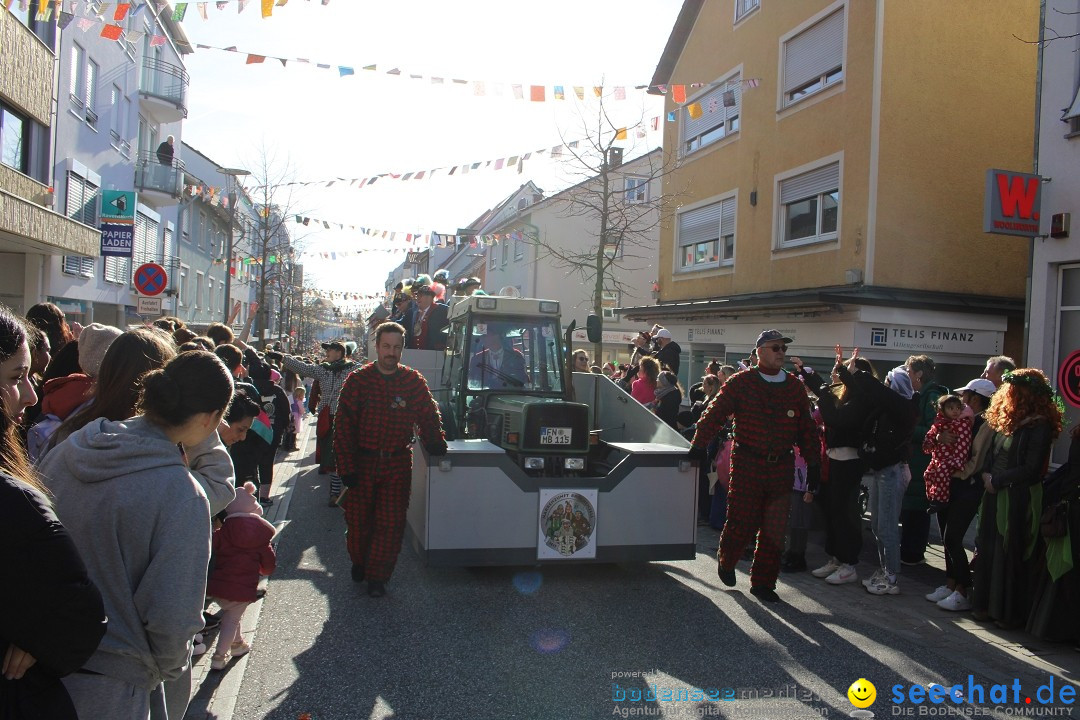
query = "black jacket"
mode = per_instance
[
  {"x": 893, "y": 411},
  {"x": 669, "y": 355},
  {"x": 844, "y": 421},
  {"x": 49, "y": 607},
  {"x": 1028, "y": 456}
]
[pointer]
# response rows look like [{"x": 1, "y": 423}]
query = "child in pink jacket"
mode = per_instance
[
  {"x": 955, "y": 418},
  {"x": 242, "y": 552}
]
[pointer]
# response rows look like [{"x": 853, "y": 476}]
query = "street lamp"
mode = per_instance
[{"x": 234, "y": 197}]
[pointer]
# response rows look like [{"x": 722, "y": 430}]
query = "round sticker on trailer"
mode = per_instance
[{"x": 1069, "y": 379}]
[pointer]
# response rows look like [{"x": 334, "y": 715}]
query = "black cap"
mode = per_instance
[
  {"x": 771, "y": 336},
  {"x": 334, "y": 345},
  {"x": 424, "y": 290}
]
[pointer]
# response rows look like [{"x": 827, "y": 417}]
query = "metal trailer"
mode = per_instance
[{"x": 541, "y": 471}]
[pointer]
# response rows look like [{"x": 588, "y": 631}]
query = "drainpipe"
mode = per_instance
[{"x": 1035, "y": 169}]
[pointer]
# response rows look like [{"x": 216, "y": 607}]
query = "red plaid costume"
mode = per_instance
[
  {"x": 945, "y": 459},
  {"x": 373, "y": 432},
  {"x": 770, "y": 418}
]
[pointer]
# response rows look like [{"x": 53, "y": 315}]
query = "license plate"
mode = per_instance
[{"x": 555, "y": 436}]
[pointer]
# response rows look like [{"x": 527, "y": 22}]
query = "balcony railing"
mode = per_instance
[
  {"x": 165, "y": 81},
  {"x": 151, "y": 174}
]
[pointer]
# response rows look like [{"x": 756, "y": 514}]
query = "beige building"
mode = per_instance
[
  {"x": 30, "y": 230},
  {"x": 833, "y": 157}
]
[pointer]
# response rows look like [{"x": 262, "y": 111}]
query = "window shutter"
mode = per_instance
[
  {"x": 819, "y": 180},
  {"x": 814, "y": 52},
  {"x": 727, "y": 217},
  {"x": 701, "y": 225}
]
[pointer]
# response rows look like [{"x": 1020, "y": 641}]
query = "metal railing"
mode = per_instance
[
  {"x": 152, "y": 174},
  {"x": 164, "y": 80}
]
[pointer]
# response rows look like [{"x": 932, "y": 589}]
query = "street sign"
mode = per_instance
[
  {"x": 148, "y": 306},
  {"x": 117, "y": 223},
  {"x": 1069, "y": 379},
  {"x": 150, "y": 279}
]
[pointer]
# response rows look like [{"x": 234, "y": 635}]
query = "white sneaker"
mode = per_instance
[
  {"x": 884, "y": 586},
  {"x": 218, "y": 662},
  {"x": 827, "y": 569},
  {"x": 940, "y": 594},
  {"x": 843, "y": 575},
  {"x": 955, "y": 602},
  {"x": 875, "y": 578},
  {"x": 198, "y": 649}
]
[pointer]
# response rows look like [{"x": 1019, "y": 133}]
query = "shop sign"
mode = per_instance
[
  {"x": 928, "y": 339},
  {"x": 1011, "y": 203},
  {"x": 1069, "y": 379}
]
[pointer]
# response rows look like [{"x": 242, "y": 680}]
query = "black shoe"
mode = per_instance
[
  {"x": 211, "y": 621},
  {"x": 376, "y": 588},
  {"x": 793, "y": 564},
  {"x": 765, "y": 594},
  {"x": 726, "y": 576},
  {"x": 358, "y": 573}
]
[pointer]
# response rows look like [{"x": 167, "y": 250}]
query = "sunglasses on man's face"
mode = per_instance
[{"x": 777, "y": 348}]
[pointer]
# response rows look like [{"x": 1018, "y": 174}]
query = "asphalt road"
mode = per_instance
[{"x": 592, "y": 641}]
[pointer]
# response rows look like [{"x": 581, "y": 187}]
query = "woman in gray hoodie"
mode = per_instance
[{"x": 142, "y": 521}]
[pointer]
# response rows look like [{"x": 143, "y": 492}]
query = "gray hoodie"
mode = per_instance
[{"x": 141, "y": 522}]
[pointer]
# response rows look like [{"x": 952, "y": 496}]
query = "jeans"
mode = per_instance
[{"x": 887, "y": 494}]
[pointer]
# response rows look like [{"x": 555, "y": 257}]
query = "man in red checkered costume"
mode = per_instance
[
  {"x": 379, "y": 407},
  {"x": 772, "y": 414}
]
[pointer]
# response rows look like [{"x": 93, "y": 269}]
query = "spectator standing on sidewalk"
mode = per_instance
[
  {"x": 379, "y": 408},
  {"x": 127, "y": 497},
  {"x": 1026, "y": 421},
  {"x": 51, "y": 614},
  {"x": 844, "y": 413},
  {"x": 915, "y": 533},
  {"x": 331, "y": 376},
  {"x": 242, "y": 552},
  {"x": 771, "y": 415},
  {"x": 997, "y": 366},
  {"x": 965, "y": 492}
]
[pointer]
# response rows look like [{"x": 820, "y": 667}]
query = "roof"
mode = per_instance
[
  {"x": 826, "y": 298},
  {"x": 680, "y": 33}
]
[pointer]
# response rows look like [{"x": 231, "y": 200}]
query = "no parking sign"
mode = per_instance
[{"x": 1069, "y": 379}]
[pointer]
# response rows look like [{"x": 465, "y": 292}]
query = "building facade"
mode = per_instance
[
  {"x": 1054, "y": 327},
  {"x": 33, "y": 235},
  {"x": 832, "y": 173}
]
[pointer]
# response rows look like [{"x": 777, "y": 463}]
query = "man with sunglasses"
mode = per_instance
[{"x": 772, "y": 415}]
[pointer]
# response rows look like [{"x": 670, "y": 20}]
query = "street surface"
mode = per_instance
[{"x": 593, "y": 641}]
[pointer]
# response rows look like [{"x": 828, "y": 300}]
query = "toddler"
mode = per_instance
[
  {"x": 242, "y": 552},
  {"x": 955, "y": 418},
  {"x": 299, "y": 396}
]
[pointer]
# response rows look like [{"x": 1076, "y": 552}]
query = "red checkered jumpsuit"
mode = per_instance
[
  {"x": 945, "y": 459},
  {"x": 770, "y": 418},
  {"x": 373, "y": 432}
]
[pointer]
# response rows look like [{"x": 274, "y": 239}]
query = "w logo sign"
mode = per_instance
[{"x": 1012, "y": 203}]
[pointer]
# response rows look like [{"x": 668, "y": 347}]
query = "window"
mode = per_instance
[
  {"x": 1068, "y": 335},
  {"x": 14, "y": 139},
  {"x": 80, "y": 205},
  {"x": 609, "y": 301},
  {"x": 181, "y": 286},
  {"x": 198, "y": 290},
  {"x": 91, "y": 93},
  {"x": 505, "y": 251},
  {"x": 145, "y": 244},
  {"x": 210, "y": 295},
  {"x": 77, "y": 78},
  {"x": 809, "y": 206},
  {"x": 745, "y": 7},
  {"x": 121, "y": 110},
  {"x": 637, "y": 190},
  {"x": 117, "y": 270},
  {"x": 491, "y": 257},
  {"x": 707, "y": 236},
  {"x": 519, "y": 245},
  {"x": 814, "y": 58},
  {"x": 718, "y": 115}
]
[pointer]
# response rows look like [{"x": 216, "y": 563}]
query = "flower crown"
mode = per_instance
[{"x": 1033, "y": 382}]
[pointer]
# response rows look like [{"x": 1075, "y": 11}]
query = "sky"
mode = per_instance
[{"x": 309, "y": 124}]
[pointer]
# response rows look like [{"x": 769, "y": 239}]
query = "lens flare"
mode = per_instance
[
  {"x": 528, "y": 582},
  {"x": 549, "y": 640}
]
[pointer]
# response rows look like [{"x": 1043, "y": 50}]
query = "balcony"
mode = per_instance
[
  {"x": 158, "y": 185},
  {"x": 163, "y": 88}
]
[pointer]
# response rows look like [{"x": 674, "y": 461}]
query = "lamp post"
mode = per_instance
[{"x": 234, "y": 197}]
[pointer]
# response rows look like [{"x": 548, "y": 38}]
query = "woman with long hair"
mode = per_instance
[
  {"x": 51, "y": 614},
  {"x": 844, "y": 413},
  {"x": 114, "y": 395},
  {"x": 1025, "y": 420},
  {"x": 126, "y": 493},
  {"x": 53, "y": 322},
  {"x": 643, "y": 388},
  {"x": 668, "y": 398}
]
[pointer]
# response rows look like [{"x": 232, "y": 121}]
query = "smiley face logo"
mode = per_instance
[{"x": 862, "y": 693}]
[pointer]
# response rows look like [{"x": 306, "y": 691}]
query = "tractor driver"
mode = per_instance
[{"x": 497, "y": 365}]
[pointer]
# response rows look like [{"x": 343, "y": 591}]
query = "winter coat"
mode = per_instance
[
  {"x": 242, "y": 552},
  {"x": 49, "y": 607}
]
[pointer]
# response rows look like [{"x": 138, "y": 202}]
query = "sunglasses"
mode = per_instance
[{"x": 777, "y": 348}]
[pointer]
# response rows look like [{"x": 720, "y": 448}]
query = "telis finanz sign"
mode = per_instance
[{"x": 1012, "y": 203}]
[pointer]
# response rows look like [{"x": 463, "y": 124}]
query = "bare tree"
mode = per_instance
[{"x": 624, "y": 225}]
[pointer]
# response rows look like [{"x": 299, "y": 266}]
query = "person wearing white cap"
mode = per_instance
[
  {"x": 667, "y": 352},
  {"x": 965, "y": 491}
]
